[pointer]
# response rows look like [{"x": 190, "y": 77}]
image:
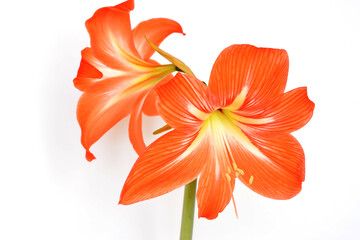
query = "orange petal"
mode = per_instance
[
  {"x": 150, "y": 103},
  {"x": 294, "y": 111},
  {"x": 111, "y": 36},
  {"x": 170, "y": 162},
  {"x": 287, "y": 113},
  {"x": 101, "y": 107},
  {"x": 217, "y": 178},
  {"x": 87, "y": 73},
  {"x": 185, "y": 102},
  {"x": 155, "y": 30},
  {"x": 214, "y": 190},
  {"x": 135, "y": 126},
  {"x": 126, "y": 6},
  {"x": 271, "y": 166},
  {"x": 245, "y": 72}
]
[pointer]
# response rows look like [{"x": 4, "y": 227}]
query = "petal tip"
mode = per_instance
[
  {"x": 208, "y": 217},
  {"x": 124, "y": 201},
  {"x": 180, "y": 29},
  {"x": 126, "y": 6},
  {"x": 305, "y": 92},
  {"x": 89, "y": 156}
]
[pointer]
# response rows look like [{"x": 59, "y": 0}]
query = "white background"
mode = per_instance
[{"x": 48, "y": 189}]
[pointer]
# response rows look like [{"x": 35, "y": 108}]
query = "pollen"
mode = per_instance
[
  {"x": 229, "y": 169},
  {"x": 228, "y": 177},
  {"x": 251, "y": 179}
]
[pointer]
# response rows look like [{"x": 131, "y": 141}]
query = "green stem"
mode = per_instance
[{"x": 187, "y": 220}]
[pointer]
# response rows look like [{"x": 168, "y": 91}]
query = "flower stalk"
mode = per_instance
[{"x": 187, "y": 221}]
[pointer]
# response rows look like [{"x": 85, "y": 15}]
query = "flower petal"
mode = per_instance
[
  {"x": 111, "y": 36},
  {"x": 215, "y": 190},
  {"x": 135, "y": 126},
  {"x": 184, "y": 102},
  {"x": 294, "y": 111},
  {"x": 170, "y": 162},
  {"x": 150, "y": 104},
  {"x": 126, "y": 6},
  {"x": 155, "y": 30},
  {"x": 290, "y": 112},
  {"x": 217, "y": 179},
  {"x": 102, "y": 106},
  {"x": 247, "y": 75},
  {"x": 87, "y": 73},
  {"x": 271, "y": 166}
]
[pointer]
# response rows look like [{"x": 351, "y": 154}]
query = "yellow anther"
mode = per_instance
[
  {"x": 237, "y": 169},
  {"x": 251, "y": 179},
  {"x": 240, "y": 171},
  {"x": 235, "y": 166},
  {"x": 228, "y": 177},
  {"x": 229, "y": 169},
  {"x": 237, "y": 174}
]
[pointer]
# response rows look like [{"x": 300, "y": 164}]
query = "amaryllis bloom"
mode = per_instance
[
  {"x": 117, "y": 75},
  {"x": 238, "y": 127}
]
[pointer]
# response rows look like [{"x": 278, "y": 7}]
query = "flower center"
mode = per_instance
[
  {"x": 229, "y": 139},
  {"x": 221, "y": 129},
  {"x": 142, "y": 82}
]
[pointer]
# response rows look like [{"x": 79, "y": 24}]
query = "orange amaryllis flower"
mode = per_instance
[
  {"x": 237, "y": 127},
  {"x": 117, "y": 75}
]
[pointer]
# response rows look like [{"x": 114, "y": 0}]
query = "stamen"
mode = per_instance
[
  {"x": 240, "y": 171},
  {"x": 251, "y": 179},
  {"x": 234, "y": 165},
  {"x": 232, "y": 194},
  {"x": 228, "y": 177},
  {"x": 229, "y": 169},
  {"x": 236, "y": 212}
]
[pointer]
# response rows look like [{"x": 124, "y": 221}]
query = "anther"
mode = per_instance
[
  {"x": 228, "y": 177},
  {"x": 235, "y": 166},
  {"x": 240, "y": 171},
  {"x": 237, "y": 169},
  {"x": 251, "y": 179}
]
